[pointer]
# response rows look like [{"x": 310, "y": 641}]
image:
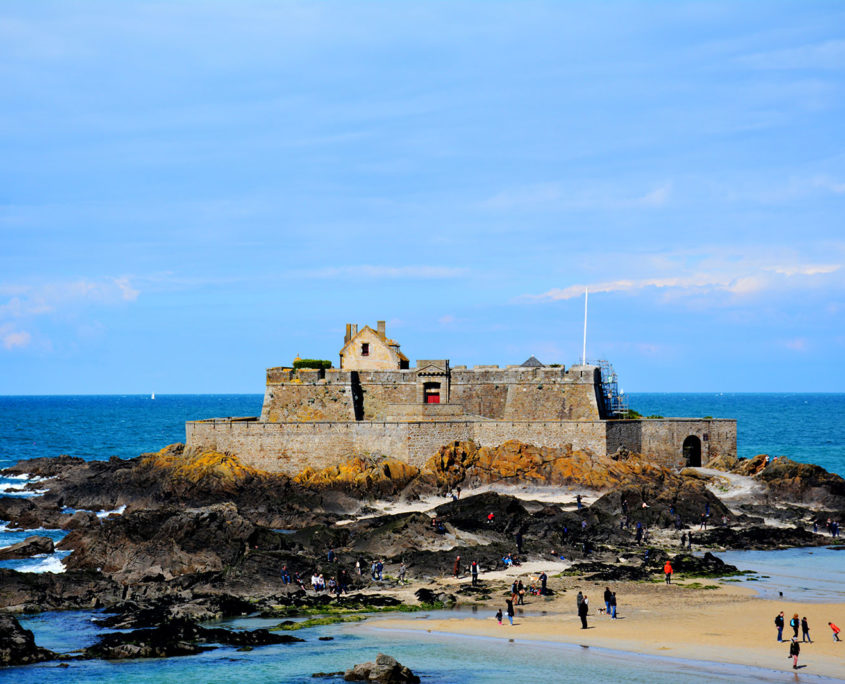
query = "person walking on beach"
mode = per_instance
[
  {"x": 510, "y": 610},
  {"x": 836, "y": 631},
  {"x": 668, "y": 570},
  {"x": 474, "y": 570},
  {"x": 613, "y": 605},
  {"x": 607, "y": 596},
  {"x": 779, "y": 621},
  {"x": 794, "y": 650},
  {"x": 499, "y": 615},
  {"x": 583, "y": 609},
  {"x": 795, "y": 623},
  {"x": 805, "y": 630},
  {"x": 520, "y": 592}
]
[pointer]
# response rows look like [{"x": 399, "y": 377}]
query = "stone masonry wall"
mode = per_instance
[
  {"x": 513, "y": 393},
  {"x": 291, "y": 447}
]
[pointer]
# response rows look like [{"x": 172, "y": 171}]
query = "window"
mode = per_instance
[{"x": 365, "y": 349}]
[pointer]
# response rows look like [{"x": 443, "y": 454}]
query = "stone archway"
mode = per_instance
[{"x": 692, "y": 451}]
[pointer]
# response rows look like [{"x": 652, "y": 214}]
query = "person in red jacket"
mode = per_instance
[
  {"x": 836, "y": 631},
  {"x": 667, "y": 569}
]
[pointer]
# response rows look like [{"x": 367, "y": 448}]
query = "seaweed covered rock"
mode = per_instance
[
  {"x": 176, "y": 638},
  {"x": 17, "y": 645},
  {"x": 385, "y": 670},
  {"x": 706, "y": 566}
]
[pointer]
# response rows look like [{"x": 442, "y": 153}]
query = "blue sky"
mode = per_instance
[{"x": 193, "y": 192}]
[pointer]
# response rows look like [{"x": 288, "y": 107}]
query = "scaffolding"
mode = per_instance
[{"x": 615, "y": 402}]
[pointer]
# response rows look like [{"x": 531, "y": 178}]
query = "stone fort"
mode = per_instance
[{"x": 376, "y": 404}]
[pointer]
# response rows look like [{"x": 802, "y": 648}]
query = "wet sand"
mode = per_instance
[{"x": 727, "y": 625}]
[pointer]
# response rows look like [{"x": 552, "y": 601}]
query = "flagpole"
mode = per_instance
[{"x": 584, "y": 351}]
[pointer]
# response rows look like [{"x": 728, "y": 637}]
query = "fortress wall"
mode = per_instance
[
  {"x": 291, "y": 447},
  {"x": 379, "y": 396},
  {"x": 584, "y": 435},
  {"x": 486, "y": 399},
  {"x": 624, "y": 433},
  {"x": 307, "y": 401},
  {"x": 663, "y": 439},
  {"x": 536, "y": 401}
]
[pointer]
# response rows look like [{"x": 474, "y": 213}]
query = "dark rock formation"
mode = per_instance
[
  {"x": 385, "y": 670},
  {"x": 31, "y": 546},
  {"x": 176, "y": 638},
  {"x": 17, "y": 645},
  {"x": 707, "y": 566},
  {"x": 758, "y": 538}
]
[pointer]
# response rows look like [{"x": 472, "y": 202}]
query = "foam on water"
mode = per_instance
[
  {"x": 45, "y": 562},
  {"x": 116, "y": 511}
]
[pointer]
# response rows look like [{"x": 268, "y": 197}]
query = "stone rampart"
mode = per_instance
[{"x": 292, "y": 446}]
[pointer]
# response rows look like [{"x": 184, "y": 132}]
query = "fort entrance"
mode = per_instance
[{"x": 692, "y": 451}]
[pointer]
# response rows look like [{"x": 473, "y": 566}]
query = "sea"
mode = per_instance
[{"x": 803, "y": 427}]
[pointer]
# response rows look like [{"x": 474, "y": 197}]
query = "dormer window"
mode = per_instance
[{"x": 365, "y": 349}]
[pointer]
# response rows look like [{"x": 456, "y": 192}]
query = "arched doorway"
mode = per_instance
[{"x": 692, "y": 451}]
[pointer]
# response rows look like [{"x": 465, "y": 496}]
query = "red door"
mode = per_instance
[{"x": 432, "y": 398}]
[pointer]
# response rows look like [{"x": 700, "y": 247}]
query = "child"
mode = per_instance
[
  {"x": 499, "y": 615},
  {"x": 836, "y": 631}
]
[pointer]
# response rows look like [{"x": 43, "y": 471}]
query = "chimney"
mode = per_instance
[
  {"x": 348, "y": 335},
  {"x": 354, "y": 330},
  {"x": 381, "y": 328}
]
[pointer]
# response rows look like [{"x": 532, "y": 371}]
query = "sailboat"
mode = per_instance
[{"x": 153, "y": 395}]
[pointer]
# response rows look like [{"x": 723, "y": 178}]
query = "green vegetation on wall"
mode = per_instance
[{"x": 312, "y": 363}]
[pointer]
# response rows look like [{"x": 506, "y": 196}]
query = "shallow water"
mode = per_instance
[
  {"x": 438, "y": 658},
  {"x": 812, "y": 574}
]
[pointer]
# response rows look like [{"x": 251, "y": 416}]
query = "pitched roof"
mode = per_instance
[
  {"x": 393, "y": 345},
  {"x": 532, "y": 362}
]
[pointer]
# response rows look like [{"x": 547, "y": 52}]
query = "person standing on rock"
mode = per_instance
[
  {"x": 668, "y": 570},
  {"x": 510, "y": 611},
  {"x": 373, "y": 571},
  {"x": 474, "y": 571},
  {"x": 639, "y": 534},
  {"x": 578, "y": 501},
  {"x": 583, "y": 610},
  {"x": 457, "y": 569},
  {"x": 794, "y": 650},
  {"x": 779, "y": 622},
  {"x": 285, "y": 575},
  {"x": 379, "y": 569},
  {"x": 683, "y": 539},
  {"x": 543, "y": 579},
  {"x": 689, "y": 541},
  {"x": 402, "y": 571}
]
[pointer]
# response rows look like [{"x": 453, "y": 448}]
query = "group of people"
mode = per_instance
[
  {"x": 832, "y": 527},
  {"x": 804, "y": 626}
]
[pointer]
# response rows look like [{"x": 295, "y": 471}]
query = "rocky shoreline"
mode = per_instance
[{"x": 201, "y": 537}]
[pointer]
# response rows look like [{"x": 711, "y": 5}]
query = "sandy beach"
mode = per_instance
[{"x": 728, "y": 625}]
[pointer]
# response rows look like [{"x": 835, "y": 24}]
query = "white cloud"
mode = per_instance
[
  {"x": 31, "y": 301},
  {"x": 384, "y": 272},
  {"x": 806, "y": 269},
  {"x": 743, "y": 280},
  {"x": 657, "y": 197},
  {"x": 10, "y": 337},
  {"x": 797, "y": 344}
]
